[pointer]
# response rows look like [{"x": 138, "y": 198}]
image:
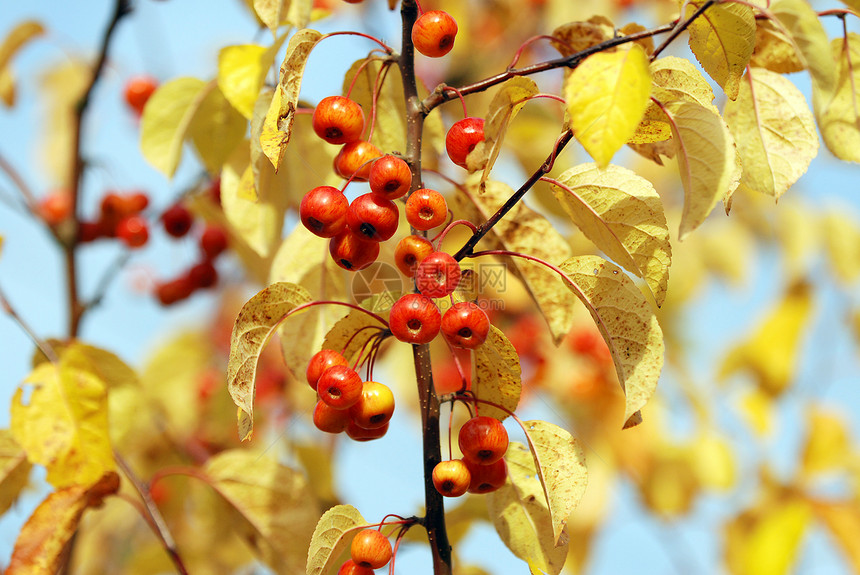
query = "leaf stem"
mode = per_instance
[
  {"x": 545, "y": 168},
  {"x": 388, "y": 49}
]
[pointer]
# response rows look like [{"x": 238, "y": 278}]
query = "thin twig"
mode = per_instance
[
  {"x": 40, "y": 343},
  {"x": 159, "y": 527},
  {"x": 680, "y": 27},
  {"x": 15, "y": 177}
]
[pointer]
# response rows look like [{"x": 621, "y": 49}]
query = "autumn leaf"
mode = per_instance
[
  {"x": 837, "y": 110},
  {"x": 382, "y": 80},
  {"x": 722, "y": 39},
  {"x": 774, "y": 130},
  {"x": 255, "y": 324},
  {"x": 771, "y": 352},
  {"x": 560, "y": 465},
  {"x": 621, "y": 213},
  {"x": 16, "y": 39},
  {"x": 774, "y": 50},
  {"x": 520, "y": 515},
  {"x": 64, "y": 424},
  {"x": 275, "y": 13},
  {"x": 523, "y": 230},
  {"x": 14, "y": 470},
  {"x": 842, "y": 520},
  {"x": 706, "y": 157},
  {"x": 842, "y": 243},
  {"x": 627, "y": 324},
  {"x": 806, "y": 32},
  {"x": 497, "y": 375},
  {"x": 303, "y": 259},
  {"x": 350, "y": 334},
  {"x": 242, "y": 70},
  {"x": 102, "y": 364},
  {"x": 278, "y": 124},
  {"x": 713, "y": 461},
  {"x": 506, "y": 104},
  {"x": 828, "y": 443},
  {"x": 40, "y": 547},
  {"x": 575, "y": 37},
  {"x": 275, "y": 511},
  {"x": 606, "y": 98},
  {"x": 332, "y": 536}
]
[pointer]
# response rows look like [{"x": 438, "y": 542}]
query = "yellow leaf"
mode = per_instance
[
  {"x": 278, "y": 124},
  {"x": 757, "y": 409},
  {"x": 63, "y": 425},
  {"x": 389, "y": 132},
  {"x": 621, "y": 213},
  {"x": 560, "y": 465},
  {"x": 774, "y": 49},
  {"x": 62, "y": 87},
  {"x": 828, "y": 443},
  {"x": 522, "y": 230},
  {"x": 275, "y": 511},
  {"x": 804, "y": 28},
  {"x": 713, "y": 461},
  {"x": 520, "y": 515},
  {"x": 766, "y": 540},
  {"x": 843, "y": 522},
  {"x": 14, "y": 470},
  {"x": 837, "y": 110},
  {"x": 350, "y": 334},
  {"x": 276, "y": 13},
  {"x": 670, "y": 485},
  {"x": 606, "y": 98},
  {"x": 41, "y": 544},
  {"x": 241, "y": 72},
  {"x": 498, "y": 376},
  {"x": 774, "y": 130},
  {"x": 506, "y": 104},
  {"x": 722, "y": 39},
  {"x": 303, "y": 259},
  {"x": 166, "y": 119},
  {"x": 799, "y": 235},
  {"x": 627, "y": 324},
  {"x": 706, "y": 157},
  {"x": 578, "y": 36},
  {"x": 12, "y": 44},
  {"x": 255, "y": 324},
  {"x": 332, "y": 536},
  {"x": 771, "y": 352},
  {"x": 842, "y": 240},
  {"x": 102, "y": 364}
]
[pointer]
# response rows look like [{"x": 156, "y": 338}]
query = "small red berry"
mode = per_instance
[
  {"x": 203, "y": 275},
  {"x": 375, "y": 406},
  {"x": 483, "y": 440},
  {"x": 169, "y": 293},
  {"x": 409, "y": 252},
  {"x": 465, "y": 325},
  {"x": 338, "y": 120},
  {"x": 329, "y": 419},
  {"x": 433, "y": 33},
  {"x": 133, "y": 230},
  {"x": 372, "y": 217},
  {"x": 323, "y": 211},
  {"x": 487, "y": 478},
  {"x": 370, "y": 548},
  {"x": 462, "y": 139},
  {"x": 320, "y": 362},
  {"x": 350, "y": 568},
  {"x": 390, "y": 177},
  {"x": 89, "y": 231},
  {"x": 136, "y": 202},
  {"x": 213, "y": 241},
  {"x": 138, "y": 90},
  {"x": 437, "y": 275},
  {"x": 414, "y": 318},
  {"x": 354, "y": 158},
  {"x": 177, "y": 220},
  {"x": 340, "y": 387},
  {"x": 357, "y": 433},
  {"x": 55, "y": 208},
  {"x": 426, "y": 209},
  {"x": 451, "y": 478},
  {"x": 352, "y": 252}
]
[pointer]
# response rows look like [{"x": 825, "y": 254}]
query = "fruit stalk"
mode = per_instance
[{"x": 434, "y": 519}]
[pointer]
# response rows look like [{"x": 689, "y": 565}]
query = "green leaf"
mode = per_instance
[
  {"x": 278, "y": 124},
  {"x": 498, "y": 376},
  {"x": 332, "y": 536},
  {"x": 520, "y": 515},
  {"x": 627, "y": 324},
  {"x": 166, "y": 119},
  {"x": 255, "y": 324},
  {"x": 606, "y": 98},
  {"x": 722, "y": 39},
  {"x": 621, "y": 213},
  {"x": 275, "y": 510},
  {"x": 774, "y": 130},
  {"x": 64, "y": 424},
  {"x": 14, "y": 470},
  {"x": 560, "y": 465}
]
